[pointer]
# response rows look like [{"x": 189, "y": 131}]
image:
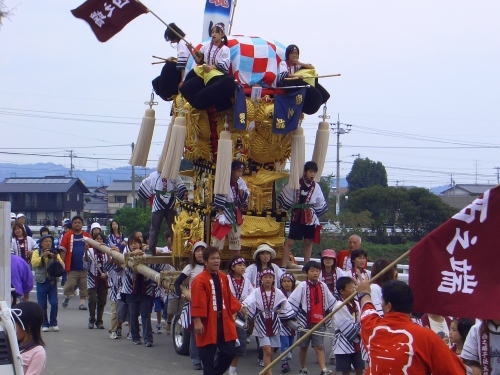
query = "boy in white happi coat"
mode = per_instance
[
  {"x": 307, "y": 204},
  {"x": 230, "y": 207},
  {"x": 163, "y": 193},
  {"x": 266, "y": 305},
  {"x": 312, "y": 301},
  {"x": 347, "y": 341}
]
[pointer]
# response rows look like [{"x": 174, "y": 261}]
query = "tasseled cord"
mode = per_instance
[
  {"x": 139, "y": 157},
  {"x": 297, "y": 158},
  {"x": 321, "y": 147},
  {"x": 224, "y": 160},
  {"x": 161, "y": 161},
  {"x": 175, "y": 149}
]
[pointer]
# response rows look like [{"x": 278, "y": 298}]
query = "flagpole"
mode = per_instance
[
  {"x": 345, "y": 302},
  {"x": 232, "y": 16}
]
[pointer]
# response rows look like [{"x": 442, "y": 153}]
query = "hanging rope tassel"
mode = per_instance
[
  {"x": 139, "y": 157},
  {"x": 297, "y": 158},
  {"x": 224, "y": 160},
  {"x": 175, "y": 149},
  {"x": 321, "y": 144},
  {"x": 163, "y": 155}
]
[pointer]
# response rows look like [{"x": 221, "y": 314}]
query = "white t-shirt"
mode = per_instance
[
  {"x": 472, "y": 347},
  {"x": 439, "y": 326},
  {"x": 192, "y": 272},
  {"x": 376, "y": 296},
  {"x": 164, "y": 250}
]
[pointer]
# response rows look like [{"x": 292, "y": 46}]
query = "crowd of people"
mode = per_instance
[{"x": 377, "y": 331}]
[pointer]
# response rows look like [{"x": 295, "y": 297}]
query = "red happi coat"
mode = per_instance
[
  {"x": 67, "y": 246},
  {"x": 202, "y": 306},
  {"x": 396, "y": 345}
]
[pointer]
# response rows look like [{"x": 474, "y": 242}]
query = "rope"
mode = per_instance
[
  {"x": 325, "y": 334},
  {"x": 138, "y": 259}
]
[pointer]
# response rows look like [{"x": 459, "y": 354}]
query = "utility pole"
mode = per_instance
[
  {"x": 498, "y": 174},
  {"x": 71, "y": 167},
  {"x": 133, "y": 180},
  {"x": 339, "y": 131},
  {"x": 475, "y": 162}
]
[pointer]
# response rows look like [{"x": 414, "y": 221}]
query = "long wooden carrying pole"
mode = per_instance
[
  {"x": 143, "y": 269},
  {"x": 323, "y": 76},
  {"x": 347, "y": 300}
]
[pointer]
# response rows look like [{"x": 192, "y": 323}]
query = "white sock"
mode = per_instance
[{"x": 232, "y": 369}]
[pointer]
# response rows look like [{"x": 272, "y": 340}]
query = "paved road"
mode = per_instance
[{"x": 77, "y": 350}]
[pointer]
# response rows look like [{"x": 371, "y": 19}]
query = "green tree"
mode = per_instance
[
  {"x": 4, "y": 12},
  {"x": 409, "y": 213},
  {"x": 383, "y": 203},
  {"x": 366, "y": 173},
  {"x": 134, "y": 219},
  {"x": 422, "y": 213}
]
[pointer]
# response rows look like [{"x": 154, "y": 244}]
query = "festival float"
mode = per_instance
[
  {"x": 260, "y": 127},
  {"x": 249, "y": 131}
]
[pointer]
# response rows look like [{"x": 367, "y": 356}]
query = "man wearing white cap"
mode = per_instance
[{"x": 21, "y": 219}]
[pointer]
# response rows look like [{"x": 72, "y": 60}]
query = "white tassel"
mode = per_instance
[
  {"x": 321, "y": 147},
  {"x": 175, "y": 149},
  {"x": 163, "y": 155},
  {"x": 139, "y": 157},
  {"x": 297, "y": 158},
  {"x": 224, "y": 160}
]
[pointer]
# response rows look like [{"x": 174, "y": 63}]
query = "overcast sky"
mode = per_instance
[{"x": 420, "y": 81}]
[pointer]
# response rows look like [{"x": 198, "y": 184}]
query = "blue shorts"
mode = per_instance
[{"x": 159, "y": 305}]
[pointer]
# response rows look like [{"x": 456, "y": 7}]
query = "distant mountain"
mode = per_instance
[{"x": 100, "y": 177}]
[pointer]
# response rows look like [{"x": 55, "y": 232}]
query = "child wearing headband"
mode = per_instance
[
  {"x": 209, "y": 84},
  {"x": 267, "y": 305},
  {"x": 287, "y": 336}
]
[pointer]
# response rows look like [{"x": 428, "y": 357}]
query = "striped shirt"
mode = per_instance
[
  {"x": 95, "y": 263},
  {"x": 129, "y": 279},
  {"x": 182, "y": 55},
  {"x": 348, "y": 330},
  {"x": 164, "y": 191},
  {"x": 284, "y": 71},
  {"x": 288, "y": 198},
  {"x": 218, "y": 56},
  {"x": 222, "y": 202}
]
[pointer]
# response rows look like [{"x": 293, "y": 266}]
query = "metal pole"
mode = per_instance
[
  {"x": 337, "y": 193},
  {"x": 5, "y": 237},
  {"x": 133, "y": 180}
]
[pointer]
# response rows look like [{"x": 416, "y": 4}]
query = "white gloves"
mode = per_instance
[
  {"x": 223, "y": 220},
  {"x": 241, "y": 184}
]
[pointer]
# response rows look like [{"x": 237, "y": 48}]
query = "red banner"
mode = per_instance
[
  {"x": 107, "y": 18},
  {"x": 453, "y": 270}
]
